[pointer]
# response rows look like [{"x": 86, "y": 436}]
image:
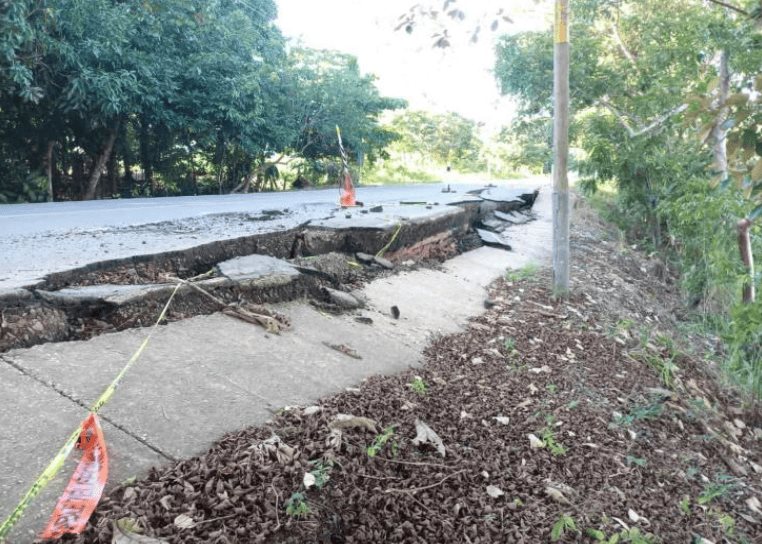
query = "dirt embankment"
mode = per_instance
[{"x": 576, "y": 421}]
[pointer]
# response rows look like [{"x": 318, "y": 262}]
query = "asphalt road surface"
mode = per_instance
[{"x": 38, "y": 239}]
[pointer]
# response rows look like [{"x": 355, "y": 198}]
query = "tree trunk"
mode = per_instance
[
  {"x": 100, "y": 163},
  {"x": 561, "y": 264},
  {"x": 719, "y": 134},
  {"x": 744, "y": 246},
  {"x": 49, "y": 169},
  {"x": 145, "y": 154}
]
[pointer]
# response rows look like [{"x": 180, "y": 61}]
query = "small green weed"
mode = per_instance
[
  {"x": 640, "y": 412},
  {"x": 637, "y": 461},
  {"x": 419, "y": 386},
  {"x": 563, "y": 525},
  {"x": 630, "y": 536},
  {"x": 509, "y": 345},
  {"x": 549, "y": 438},
  {"x": 552, "y": 388},
  {"x": 523, "y": 273},
  {"x": 297, "y": 506},
  {"x": 572, "y": 404},
  {"x": 685, "y": 506},
  {"x": 727, "y": 523},
  {"x": 380, "y": 441},
  {"x": 321, "y": 472},
  {"x": 715, "y": 490}
]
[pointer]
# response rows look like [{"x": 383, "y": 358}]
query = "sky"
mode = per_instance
[{"x": 458, "y": 78}]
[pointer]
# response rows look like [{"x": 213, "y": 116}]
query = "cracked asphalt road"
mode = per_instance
[{"x": 39, "y": 239}]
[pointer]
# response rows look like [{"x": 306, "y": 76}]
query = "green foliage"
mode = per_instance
[
  {"x": 380, "y": 441},
  {"x": 649, "y": 120},
  {"x": 631, "y": 536},
  {"x": 419, "y": 386},
  {"x": 297, "y": 507},
  {"x": 321, "y": 472},
  {"x": 563, "y": 525},
  {"x": 715, "y": 489},
  {"x": 640, "y": 412},
  {"x": 198, "y": 95},
  {"x": 637, "y": 461},
  {"x": 548, "y": 437},
  {"x": 524, "y": 273},
  {"x": 744, "y": 339},
  {"x": 447, "y": 139}
]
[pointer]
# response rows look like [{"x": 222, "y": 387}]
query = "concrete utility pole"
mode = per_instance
[{"x": 561, "y": 264}]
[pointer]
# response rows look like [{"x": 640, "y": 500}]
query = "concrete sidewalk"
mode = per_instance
[{"x": 208, "y": 375}]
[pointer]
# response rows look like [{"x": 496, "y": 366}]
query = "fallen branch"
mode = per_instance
[
  {"x": 643, "y": 130},
  {"x": 269, "y": 323},
  {"x": 417, "y": 489}
]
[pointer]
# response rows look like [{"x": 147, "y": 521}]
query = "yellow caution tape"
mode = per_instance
[{"x": 58, "y": 461}]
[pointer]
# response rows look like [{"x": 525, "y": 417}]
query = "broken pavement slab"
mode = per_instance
[
  {"x": 109, "y": 294},
  {"x": 253, "y": 269},
  {"x": 493, "y": 239}
]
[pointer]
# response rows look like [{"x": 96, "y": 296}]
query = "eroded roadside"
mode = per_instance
[{"x": 280, "y": 266}]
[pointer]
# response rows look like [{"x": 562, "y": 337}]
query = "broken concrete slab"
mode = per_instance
[
  {"x": 492, "y": 224},
  {"x": 257, "y": 268},
  {"x": 509, "y": 194},
  {"x": 344, "y": 301},
  {"x": 110, "y": 294},
  {"x": 364, "y": 258},
  {"x": 492, "y": 239},
  {"x": 10, "y": 297},
  {"x": 514, "y": 218},
  {"x": 383, "y": 263}
]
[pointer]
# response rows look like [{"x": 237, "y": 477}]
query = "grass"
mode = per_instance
[
  {"x": 419, "y": 386},
  {"x": 524, "y": 273}
]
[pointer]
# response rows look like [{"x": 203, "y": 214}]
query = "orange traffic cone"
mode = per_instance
[{"x": 347, "y": 198}]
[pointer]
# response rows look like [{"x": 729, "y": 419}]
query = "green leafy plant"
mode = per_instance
[
  {"x": 628, "y": 536},
  {"x": 685, "y": 505},
  {"x": 380, "y": 441},
  {"x": 716, "y": 489},
  {"x": 565, "y": 524},
  {"x": 419, "y": 386},
  {"x": 640, "y": 412},
  {"x": 296, "y": 506},
  {"x": 321, "y": 472},
  {"x": 548, "y": 437},
  {"x": 637, "y": 461}
]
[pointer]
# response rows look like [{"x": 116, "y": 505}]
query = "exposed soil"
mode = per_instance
[{"x": 631, "y": 435}]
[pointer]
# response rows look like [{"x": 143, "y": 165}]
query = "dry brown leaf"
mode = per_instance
[
  {"x": 347, "y": 421},
  {"x": 556, "y": 495},
  {"x": 184, "y": 522},
  {"x": 127, "y": 531},
  {"x": 494, "y": 492},
  {"x": 425, "y": 434},
  {"x": 534, "y": 442}
]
